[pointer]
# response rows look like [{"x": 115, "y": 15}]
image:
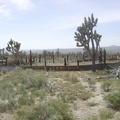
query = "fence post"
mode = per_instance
[
  {"x": 64, "y": 61},
  {"x": 30, "y": 58},
  {"x": 77, "y": 62},
  {"x": 100, "y": 59},
  {"x": 40, "y": 58}
]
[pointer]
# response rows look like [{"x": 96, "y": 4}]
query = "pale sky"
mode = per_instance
[{"x": 50, "y": 24}]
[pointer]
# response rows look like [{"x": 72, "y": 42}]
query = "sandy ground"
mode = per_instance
[{"x": 82, "y": 110}]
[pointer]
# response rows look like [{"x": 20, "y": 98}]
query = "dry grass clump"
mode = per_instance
[
  {"x": 70, "y": 89},
  {"x": 50, "y": 110},
  {"x": 29, "y": 94},
  {"x": 103, "y": 114},
  {"x": 21, "y": 88},
  {"x": 92, "y": 104}
]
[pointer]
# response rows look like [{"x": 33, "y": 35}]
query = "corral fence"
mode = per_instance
[
  {"x": 79, "y": 64},
  {"x": 70, "y": 68}
]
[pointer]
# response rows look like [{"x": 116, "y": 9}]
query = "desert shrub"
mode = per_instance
[
  {"x": 25, "y": 99},
  {"x": 38, "y": 93},
  {"x": 116, "y": 85},
  {"x": 51, "y": 110},
  {"x": 71, "y": 79},
  {"x": 70, "y": 92},
  {"x": 23, "y": 113},
  {"x": 66, "y": 76},
  {"x": 35, "y": 81},
  {"x": 62, "y": 96},
  {"x": 113, "y": 100},
  {"x": 67, "y": 96},
  {"x": 7, "y": 105},
  {"x": 7, "y": 91},
  {"x": 85, "y": 95},
  {"x": 106, "y": 114},
  {"x": 3, "y": 108},
  {"x": 10, "y": 61},
  {"x": 106, "y": 85},
  {"x": 74, "y": 80},
  {"x": 4, "y": 71}
]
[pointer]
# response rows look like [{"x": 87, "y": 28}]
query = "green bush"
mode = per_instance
[
  {"x": 106, "y": 86},
  {"x": 71, "y": 79},
  {"x": 113, "y": 100},
  {"x": 7, "y": 105},
  {"x": 51, "y": 110},
  {"x": 10, "y": 61},
  {"x": 74, "y": 80},
  {"x": 85, "y": 95},
  {"x": 35, "y": 81},
  {"x": 25, "y": 99},
  {"x": 106, "y": 114}
]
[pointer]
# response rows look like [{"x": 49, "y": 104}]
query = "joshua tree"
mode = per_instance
[
  {"x": 14, "y": 48},
  {"x": 86, "y": 36}
]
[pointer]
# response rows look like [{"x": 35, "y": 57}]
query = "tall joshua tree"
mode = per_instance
[
  {"x": 14, "y": 48},
  {"x": 86, "y": 36}
]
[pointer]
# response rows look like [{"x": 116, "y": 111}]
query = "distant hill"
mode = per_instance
[{"x": 111, "y": 49}]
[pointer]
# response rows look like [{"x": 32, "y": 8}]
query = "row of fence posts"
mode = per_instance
[
  {"x": 40, "y": 57},
  {"x": 101, "y": 58}
]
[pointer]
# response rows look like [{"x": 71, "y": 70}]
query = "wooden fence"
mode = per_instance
[{"x": 70, "y": 68}]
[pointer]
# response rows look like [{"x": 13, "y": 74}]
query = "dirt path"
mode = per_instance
[{"x": 85, "y": 109}]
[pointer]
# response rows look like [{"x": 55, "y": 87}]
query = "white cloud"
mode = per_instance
[
  {"x": 107, "y": 11},
  {"x": 4, "y": 10},
  {"x": 8, "y": 8},
  {"x": 23, "y": 4},
  {"x": 109, "y": 16}
]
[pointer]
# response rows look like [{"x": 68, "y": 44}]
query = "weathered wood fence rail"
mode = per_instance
[{"x": 69, "y": 68}]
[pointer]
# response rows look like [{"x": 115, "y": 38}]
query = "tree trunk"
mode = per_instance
[{"x": 93, "y": 53}]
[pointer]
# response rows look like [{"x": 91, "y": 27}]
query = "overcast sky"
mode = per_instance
[{"x": 47, "y": 24}]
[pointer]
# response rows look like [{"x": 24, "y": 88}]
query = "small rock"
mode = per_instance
[{"x": 88, "y": 79}]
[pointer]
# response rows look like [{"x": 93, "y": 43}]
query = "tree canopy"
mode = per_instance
[{"x": 86, "y": 36}]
